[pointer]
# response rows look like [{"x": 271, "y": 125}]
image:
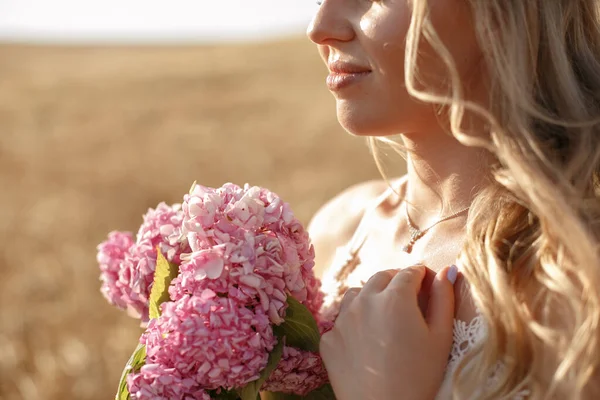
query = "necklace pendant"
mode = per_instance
[{"x": 415, "y": 234}]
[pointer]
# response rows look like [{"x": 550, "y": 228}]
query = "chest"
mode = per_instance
[
  {"x": 382, "y": 248},
  {"x": 356, "y": 262}
]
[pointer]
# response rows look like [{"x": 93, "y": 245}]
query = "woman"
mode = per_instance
[{"x": 498, "y": 107}]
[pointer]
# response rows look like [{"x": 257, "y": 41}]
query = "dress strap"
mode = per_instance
[{"x": 360, "y": 235}]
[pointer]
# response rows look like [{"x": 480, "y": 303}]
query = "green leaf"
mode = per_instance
[
  {"x": 193, "y": 187},
  {"x": 136, "y": 361},
  {"x": 252, "y": 389},
  {"x": 223, "y": 395},
  {"x": 279, "y": 396},
  {"x": 325, "y": 392},
  {"x": 300, "y": 328},
  {"x": 163, "y": 275}
]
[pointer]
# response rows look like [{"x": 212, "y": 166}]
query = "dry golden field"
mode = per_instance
[{"x": 92, "y": 137}]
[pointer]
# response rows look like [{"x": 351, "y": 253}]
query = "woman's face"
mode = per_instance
[{"x": 363, "y": 44}]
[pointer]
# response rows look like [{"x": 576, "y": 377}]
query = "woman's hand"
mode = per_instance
[{"x": 387, "y": 344}]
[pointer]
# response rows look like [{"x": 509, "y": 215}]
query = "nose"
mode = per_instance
[{"x": 330, "y": 23}]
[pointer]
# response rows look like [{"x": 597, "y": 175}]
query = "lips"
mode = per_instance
[
  {"x": 343, "y": 74},
  {"x": 343, "y": 67}
]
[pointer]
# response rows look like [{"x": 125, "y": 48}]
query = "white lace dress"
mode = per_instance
[
  {"x": 466, "y": 334},
  {"x": 342, "y": 275}
]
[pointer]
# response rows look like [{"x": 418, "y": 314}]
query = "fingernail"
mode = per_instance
[{"x": 452, "y": 274}]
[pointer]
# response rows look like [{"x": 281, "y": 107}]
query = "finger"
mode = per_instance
[
  {"x": 326, "y": 345},
  {"x": 440, "y": 310},
  {"x": 409, "y": 280},
  {"x": 379, "y": 281},
  {"x": 349, "y": 296},
  {"x": 425, "y": 292}
]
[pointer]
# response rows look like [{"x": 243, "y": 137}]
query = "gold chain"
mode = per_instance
[{"x": 416, "y": 233}]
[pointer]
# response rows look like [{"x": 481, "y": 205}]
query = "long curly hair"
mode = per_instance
[{"x": 531, "y": 251}]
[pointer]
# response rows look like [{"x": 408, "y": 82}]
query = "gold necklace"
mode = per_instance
[{"x": 416, "y": 233}]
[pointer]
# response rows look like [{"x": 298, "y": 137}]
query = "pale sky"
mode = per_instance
[{"x": 151, "y": 20}]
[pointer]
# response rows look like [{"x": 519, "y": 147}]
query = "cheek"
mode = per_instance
[
  {"x": 390, "y": 109},
  {"x": 454, "y": 24},
  {"x": 384, "y": 34}
]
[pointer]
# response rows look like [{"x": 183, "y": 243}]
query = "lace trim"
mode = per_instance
[{"x": 465, "y": 337}]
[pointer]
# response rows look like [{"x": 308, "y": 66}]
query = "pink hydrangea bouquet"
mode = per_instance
[{"x": 224, "y": 287}]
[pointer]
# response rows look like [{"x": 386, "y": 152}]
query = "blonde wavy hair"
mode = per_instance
[{"x": 531, "y": 252}]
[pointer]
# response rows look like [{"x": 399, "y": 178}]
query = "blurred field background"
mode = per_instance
[{"x": 90, "y": 137}]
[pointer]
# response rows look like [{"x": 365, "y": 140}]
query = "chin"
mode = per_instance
[
  {"x": 373, "y": 119},
  {"x": 362, "y": 122}
]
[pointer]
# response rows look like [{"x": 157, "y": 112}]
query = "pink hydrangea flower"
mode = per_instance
[
  {"x": 240, "y": 253},
  {"x": 111, "y": 254},
  {"x": 298, "y": 372},
  {"x": 132, "y": 273},
  {"x": 314, "y": 295},
  {"x": 236, "y": 271},
  {"x": 265, "y": 251},
  {"x": 155, "y": 381},
  {"x": 214, "y": 340},
  {"x": 162, "y": 227}
]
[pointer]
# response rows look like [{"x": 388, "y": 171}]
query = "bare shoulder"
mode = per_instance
[{"x": 336, "y": 221}]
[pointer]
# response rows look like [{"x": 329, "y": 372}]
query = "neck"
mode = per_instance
[{"x": 442, "y": 175}]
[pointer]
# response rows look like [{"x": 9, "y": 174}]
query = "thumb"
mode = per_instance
[{"x": 440, "y": 310}]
